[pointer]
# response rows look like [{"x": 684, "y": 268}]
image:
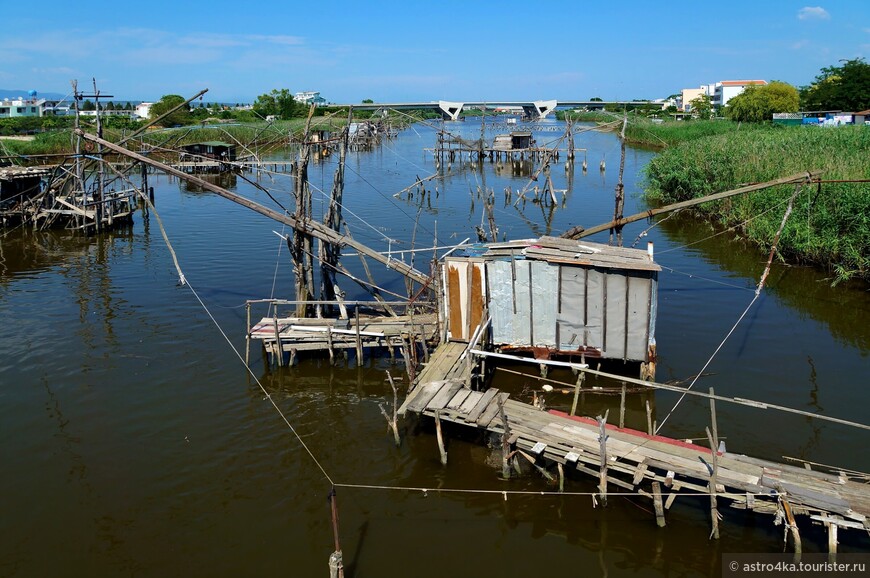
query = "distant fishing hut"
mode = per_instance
[
  {"x": 556, "y": 298},
  {"x": 206, "y": 156},
  {"x": 18, "y": 185}
]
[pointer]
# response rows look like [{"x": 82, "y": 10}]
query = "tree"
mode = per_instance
[
  {"x": 279, "y": 103},
  {"x": 845, "y": 87},
  {"x": 368, "y": 101},
  {"x": 758, "y": 103},
  {"x": 88, "y": 105},
  {"x": 166, "y": 103},
  {"x": 702, "y": 106}
]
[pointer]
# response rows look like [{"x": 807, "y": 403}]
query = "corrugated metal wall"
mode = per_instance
[{"x": 535, "y": 303}]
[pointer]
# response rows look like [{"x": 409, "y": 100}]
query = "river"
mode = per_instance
[{"x": 134, "y": 443}]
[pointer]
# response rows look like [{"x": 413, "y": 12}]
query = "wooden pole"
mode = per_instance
[
  {"x": 248, "y": 336},
  {"x": 279, "y": 350},
  {"x": 505, "y": 441},
  {"x": 440, "y": 437},
  {"x": 622, "y": 407},
  {"x": 577, "y": 387},
  {"x": 336, "y": 566},
  {"x": 580, "y": 232},
  {"x": 602, "y": 458},
  {"x": 714, "y": 509},
  {"x": 620, "y": 187},
  {"x": 359, "y": 347},
  {"x": 649, "y": 424},
  {"x": 657, "y": 503}
]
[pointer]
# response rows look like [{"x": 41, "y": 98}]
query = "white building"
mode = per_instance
[
  {"x": 143, "y": 109},
  {"x": 310, "y": 97},
  {"x": 728, "y": 89}
]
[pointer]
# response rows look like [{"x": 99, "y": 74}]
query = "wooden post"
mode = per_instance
[
  {"x": 329, "y": 345},
  {"x": 657, "y": 503},
  {"x": 440, "y": 437},
  {"x": 602, "y": 458},
  {"x": 248, "y": 335},
  {"x": 505, "y": 441},
  {"x": 359, "y": 348},
  {"x": 649, "y": 425},
  {"x": 336, "y": 565},
  {"x": 577, "y": 388},
  {"x": 714, "y": 510},
  {"x": 832, "y": 540},
  {"x": 792, "y": 525},
  {"x": 561, "y": 477},
  {"x": 279, "y": 350},
  {"x": 622, "y": 407}
]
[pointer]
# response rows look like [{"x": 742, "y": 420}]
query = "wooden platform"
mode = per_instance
[
  {"x": 635, "y": 460},
  {"x": 311, "y": 334}
]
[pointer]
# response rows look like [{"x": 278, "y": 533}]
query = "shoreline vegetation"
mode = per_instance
[{"x": 830, "y": 224}]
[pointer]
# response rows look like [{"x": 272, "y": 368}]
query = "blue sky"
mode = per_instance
[{"x": 423, "y": 51}]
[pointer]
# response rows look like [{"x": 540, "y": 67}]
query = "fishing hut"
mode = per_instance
[
  {"x": 19, "y": 187},
  {"x": 553, "y": 298},
  {"x": 208, "y": 156}
]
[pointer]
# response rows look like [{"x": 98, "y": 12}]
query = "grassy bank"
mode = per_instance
[
  {"x": 644, "y": 132},
  {"x": 830, "y": 225},
  {"x": 260, "y": 134}
]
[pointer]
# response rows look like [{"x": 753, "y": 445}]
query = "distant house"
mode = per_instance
[
  {"x": 18, "y": 107},
  {"x": 728, "y": 89},
  {"x": 143, "y": 109},
  {"x": 687, "y": 95},
  {"x": 310, "y": 97}
]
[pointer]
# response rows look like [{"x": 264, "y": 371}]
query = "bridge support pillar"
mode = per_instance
[{"x": 450, "y": 109}]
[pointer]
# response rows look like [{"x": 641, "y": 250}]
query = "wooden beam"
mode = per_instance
[{"x": 316, "y": 229}]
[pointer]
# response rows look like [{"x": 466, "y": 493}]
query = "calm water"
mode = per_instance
[{"x": 134, "y": 443}]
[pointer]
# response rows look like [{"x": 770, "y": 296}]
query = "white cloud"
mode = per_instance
[
  {"x": 813, "y": 13},
  {"x": 800, "y": 44}
]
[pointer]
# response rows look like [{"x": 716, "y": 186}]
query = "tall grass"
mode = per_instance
[
  {"x": 830, "y": 225},
  {"x": 671, "y": 132}
]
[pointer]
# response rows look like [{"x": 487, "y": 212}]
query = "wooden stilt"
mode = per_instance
[
  {"x": 393, "y": 422},
  {"x": 622, "y": 407},
  {"x": 657, "y": 503},
  {"x": 714, "y": 509},
  {"x": 792, "y": 526},
  {"x": 577, "y": 388},
  {"x": 336, "y": 565},
  {"x": 649, "y": 425},
  {"x": 561, "y": 477},
  {"x": 359, "y": 348},
  {"x": 248, "y": 336},
  {"x": 602, "y": 457},
  {"x": 440, "y": 438},
  {"x": 505, "y": 442},
  {"x": 329, "y": 345},
  {"x": 832, "y": 540},
  {"x": 293, "y": 357},
  {"x": 279, "y": 351}
]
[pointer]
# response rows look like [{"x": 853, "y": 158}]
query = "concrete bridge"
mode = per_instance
[{"x": 537, "y": 109}]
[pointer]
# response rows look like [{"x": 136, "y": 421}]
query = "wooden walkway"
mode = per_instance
[
  {"x": 655, "y": 466},
  {"x": 312, "y": 334}
]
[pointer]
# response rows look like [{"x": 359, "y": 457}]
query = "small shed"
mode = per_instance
[
  {"x": 20, "y": 183},
  {"x": 522, "y": 140},
  {"x": 210, "y": 150},
  {"x": 555, "y": 297}
]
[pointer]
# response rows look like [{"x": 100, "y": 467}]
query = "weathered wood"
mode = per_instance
[
  {"x": 491, "y": 411},
  {"x": 445, "y": 395},
  {"x": 441, "y": 448},
  {"x": 482, "y": 404},
  {"x": 714, "y": 509},
  {"x": 657, "y": 504},
  {"x": 621, "y": 407},
  {"x": 602, "y": 455}
]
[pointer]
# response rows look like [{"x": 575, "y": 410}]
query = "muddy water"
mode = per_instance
[{"x": 135, "y": 444}]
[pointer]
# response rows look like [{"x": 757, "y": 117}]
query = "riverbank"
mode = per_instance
[{"x": 830, "y": 225}]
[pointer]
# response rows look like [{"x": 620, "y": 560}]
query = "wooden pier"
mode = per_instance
[
  {"x": 623, "y": 459},
  {"x": 284, "y": 337}
]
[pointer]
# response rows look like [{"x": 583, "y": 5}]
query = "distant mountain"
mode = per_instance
[{"x": 6, "y": 93}]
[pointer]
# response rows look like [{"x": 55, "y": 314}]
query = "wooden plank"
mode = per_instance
[
  {"x": 457, "y": 399},
  {"x": 470, "y": 402},
  {"x": 482, "y": 404},
  {"x": 445, "y": 394},
  {"x": 422, "y": 396},
  {"x": 492, "y": 410}
]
